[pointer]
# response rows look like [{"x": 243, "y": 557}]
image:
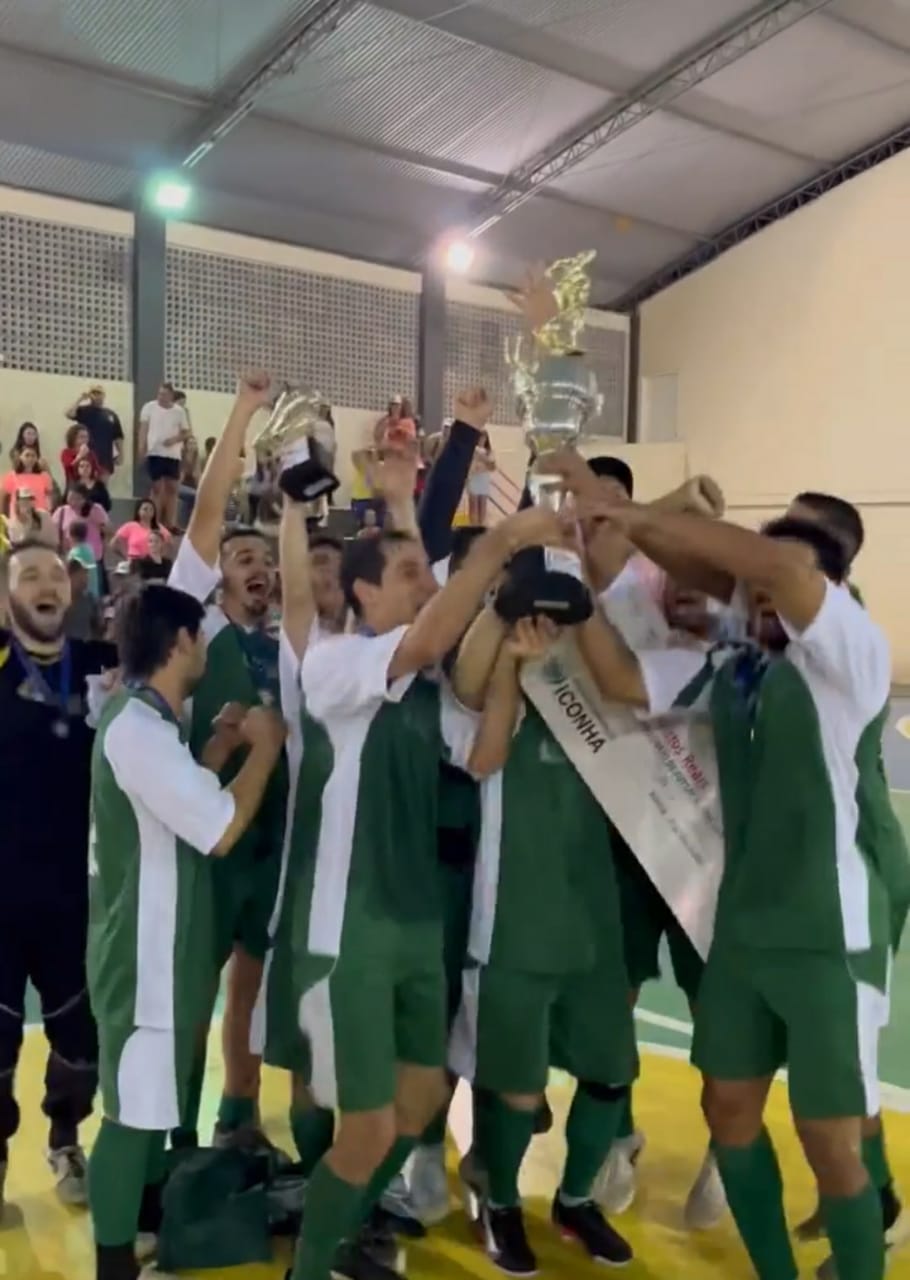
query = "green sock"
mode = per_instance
[
  {"x": 590, "y": 1131},
  {"x": 314, "y": 1130},
  {"x": 236, "y": 1113},
  {"x": 752, "y": 1181},
  {"x": 626, "y": 1126},
  {"x": 875, "y": 1158},
  {"x": 502, "y": 1136},
  {"x": 187, "y": 1135},
  {"x": 117, "y": 1173},
  {"x": 434, "y": 1135},
  {"x": 332, "y": 1213},
  {"x": 856, "y": 1233},
  {"x": 393, "y": 1163}
]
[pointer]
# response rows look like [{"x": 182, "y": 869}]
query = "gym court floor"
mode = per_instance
[{"x": 41, "y": 1240}]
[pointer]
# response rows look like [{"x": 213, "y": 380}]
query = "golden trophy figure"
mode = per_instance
[
  {"x": 557, "y": 397},
  {"x": 304, "y": 441}
]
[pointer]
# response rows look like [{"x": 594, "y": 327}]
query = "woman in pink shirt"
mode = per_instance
[
  {"x": 28, "y": 474},
  {"x": 78, "y": 506},
  {"x": 132, "y": 539}
]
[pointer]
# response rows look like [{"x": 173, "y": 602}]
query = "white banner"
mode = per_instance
[{"x": 655, "y": 780}]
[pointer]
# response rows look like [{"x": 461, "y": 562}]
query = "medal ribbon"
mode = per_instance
[{"x": 59, "y": 697}]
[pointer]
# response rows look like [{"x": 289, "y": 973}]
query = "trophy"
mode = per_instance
[
  {"x": 557, "y": 397},
  {"x": 304, "y": 442}
]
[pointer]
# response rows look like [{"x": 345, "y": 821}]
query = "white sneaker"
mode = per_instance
[
  {"x": 70, "y": 1172},
  {"x": 151, "y": 1272},
  {"x": 146, "y": 1245},
  {"x": 396, "y": 1199},
  {"x": 707, "y": 1201},
  {"x": 615, "y": 1186},
  {"x": 428, "y": 1184}
]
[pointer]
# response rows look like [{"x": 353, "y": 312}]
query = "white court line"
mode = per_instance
[{"x": 661, "y": 1020}]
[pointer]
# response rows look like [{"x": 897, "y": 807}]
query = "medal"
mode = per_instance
[{"x": 58, "y": 698}]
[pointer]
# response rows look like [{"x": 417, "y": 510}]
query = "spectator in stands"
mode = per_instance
[
  {"x": 479, "y": 481},
  {"x": 393, "y": 428},
  {"x": 27, "y": 437},
  {"x": 155, "y": 566},
  {"x": 105, "y": 430},
  {"x": 80, "y": 510},
  {"x": 28, "y": 473},
  {"x": 371, "y": 526},
  {"x": 209, "y": 445},
  {"x": 363, "y": 486},
  {"x": 83, "y": 619},
  {"x": 190, "y": 471},
  {"x": 163, "y": 429},
  {"x": 133, "y": 539},
  {"x": 28, "y": 523},
  {"x": 88, "y": 476},
  {"x": 76, "y": 449},
  {"x": 80, "y": 551}
]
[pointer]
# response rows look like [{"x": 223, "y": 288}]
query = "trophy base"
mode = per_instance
[
  {"x": 530, "y": 588},
  {"x": 308, "y": 481}
]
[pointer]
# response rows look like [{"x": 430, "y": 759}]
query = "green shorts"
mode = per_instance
[
  {"x": 513, "y": 1026},
  {"x": 646, "y": 919},
  {"x": 144, "y": 1075},
  {"x": 369, "y": 1010},
  {"x": 244, "y": 894},
  {"x": 278, "y": 1036},
  {"x": 760, "y": 1010}
]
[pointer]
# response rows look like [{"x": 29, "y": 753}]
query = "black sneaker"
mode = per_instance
[
  {"x": 586, "y": 1224},
  {"x": 505, "y": 1241},
  {"x": 353, "y": 1262},
  {"x": 378, "y": 1239}
]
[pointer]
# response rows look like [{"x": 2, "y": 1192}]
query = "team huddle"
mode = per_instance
[{"x": 370, "y": 820}]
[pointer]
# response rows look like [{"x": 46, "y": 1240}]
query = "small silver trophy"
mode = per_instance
[
  {"x": 305, "y": 442},
  {"x": 557, "y": 397}
]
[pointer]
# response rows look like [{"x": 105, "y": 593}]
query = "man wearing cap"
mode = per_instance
[{"x": 105, "y": 431}]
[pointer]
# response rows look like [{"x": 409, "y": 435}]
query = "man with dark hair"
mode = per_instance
[
  {"x": 369, "y": 926},
  {"x": 616, "y": 470},
  {"x": 241, "y": 668},
  {"x": 156, "y": 814},
  {"x": 47, "y": 690},
  {"x": 798, "y": 969},
  {"x": 837, "y": 515}
]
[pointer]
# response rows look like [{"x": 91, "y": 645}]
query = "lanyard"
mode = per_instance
[
  {"x": 260, "y": 671},
  {"x": 748, "y": 672},
  {"x": 160, "y": 703},
  {"x": 59, "y": 697}
]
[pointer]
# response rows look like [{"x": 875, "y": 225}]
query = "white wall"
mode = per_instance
[{"x": 790, "y": 359}]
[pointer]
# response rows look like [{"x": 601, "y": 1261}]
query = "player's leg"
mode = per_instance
[
  {"x": 13, "y": 978},
  {"x": 143, "y": 1073},
  {"x": 501, "y": 1042},
  {"x": 593, "y": 1038},
  {"x": 738, "y": 1044},
  {"x": 833, "y": 1027},
  {"x": 56, "y": 961},
  {"x": 242, "y": 1068},
  {"x": 347, "y": 1013},
  {"x": 427, "y": 1179},
  {"x": 706, "y": 1202}
]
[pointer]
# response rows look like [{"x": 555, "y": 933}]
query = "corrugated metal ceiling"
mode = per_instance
[{"x": 392, "y": 127}]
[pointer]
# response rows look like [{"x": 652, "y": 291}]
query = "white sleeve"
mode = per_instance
[
  {"x": 182, "y": 795},
  {"x": 459, "y": 727},
  {"x": 676, "y": 679},
  {"x": 289, "y": 679},
  {"x": 191, "y": 574},
  {"x": 345, "y": 674},
  {"x": 145, "y": 412},
  {"x": 846, "y": 648}
]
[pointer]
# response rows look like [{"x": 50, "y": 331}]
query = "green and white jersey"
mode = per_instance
[
  {"x": 375, "y": 867},
  {"x": 155, "y": 813},
  {"x": 544, "y": 882},
  {"x": 789, "y": 734},
  {"x": 241, "y": 666}
]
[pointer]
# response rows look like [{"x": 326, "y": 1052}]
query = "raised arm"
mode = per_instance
[
  {"x": 298, "y": 609},
  {"x": 529, "y": 640},
  {"x": 219, "y": 476},
  {"x": 449, "y": 473},
  {"x": 442, "y": 622},
  {"x": 614, "y": 668},
  {"x": 395, "y": 478},
  {"x": 477, "y": 655}
]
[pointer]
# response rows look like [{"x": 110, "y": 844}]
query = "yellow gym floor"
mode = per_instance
[{"x": 41, "y": 1240}]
